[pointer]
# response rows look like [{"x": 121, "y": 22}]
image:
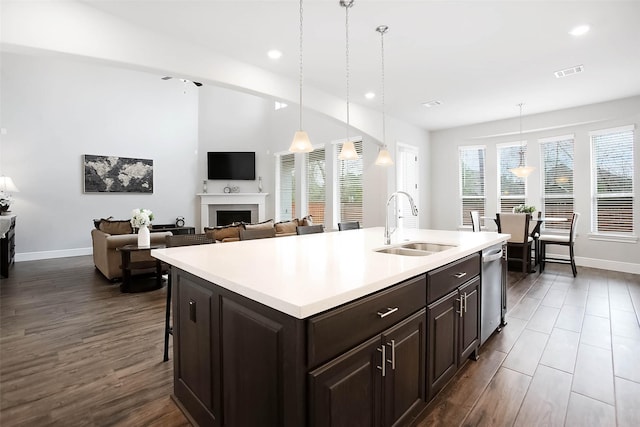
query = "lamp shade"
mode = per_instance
[
  {"x": 6, "y": 184},
  {"x": 522, "y": 171},
  {"x": 384, "y": 158},
  {"x": 348, "y": 151},
  {"x": 300, "y": 143}
]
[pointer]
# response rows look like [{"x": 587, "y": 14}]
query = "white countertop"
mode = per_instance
[{"x": 305, "y": 275}]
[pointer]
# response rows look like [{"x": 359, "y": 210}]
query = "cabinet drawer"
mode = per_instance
[
  {"x": 447, "y": 278},
  {"x": 340, "y": 329}
]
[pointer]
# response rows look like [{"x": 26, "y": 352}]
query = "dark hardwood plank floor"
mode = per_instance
[{"x": 74, "y": 351}]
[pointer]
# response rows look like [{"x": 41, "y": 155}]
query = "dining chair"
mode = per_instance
[
  {"x": 172, "y": 242},
  {"x": 353, "y": 225},
  {"x": 259, "y": 233},
  {"x": 475, "y": 220},
  {"x": 562, "y": 240},
  {"x": 309, "y": 229},
  {"x": 534, "y": 232},
  {"x": 519, "y": 245}
]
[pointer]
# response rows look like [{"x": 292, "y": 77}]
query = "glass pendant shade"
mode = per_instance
[
  {"x": 522, "y": 171},
  {"x": 301, "y": 143},
  {"x": 384, "y": 158},
  {"x": 348, "y": 151},
  {"x": 7, "y": 185}
]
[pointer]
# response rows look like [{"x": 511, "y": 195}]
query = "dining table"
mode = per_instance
[{"x": 535, "y": 232}]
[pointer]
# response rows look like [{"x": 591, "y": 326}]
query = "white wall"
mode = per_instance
[
  {"x": 445, "y": 206},
  {"x": 56, "y": 110}
]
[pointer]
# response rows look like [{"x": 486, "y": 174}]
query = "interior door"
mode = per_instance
[{"x": 407, "y": 180}]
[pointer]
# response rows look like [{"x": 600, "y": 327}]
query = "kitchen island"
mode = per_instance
[{"x": 322, "y": 329}]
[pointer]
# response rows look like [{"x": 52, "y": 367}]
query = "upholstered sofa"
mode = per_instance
[
  {"x": 107, "y": 236},
  {"x": 231, "y": 232}
]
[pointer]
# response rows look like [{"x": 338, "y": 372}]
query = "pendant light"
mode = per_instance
[
  {"x": 384, "y": 158},
  {"x": 301, "y": 142},
  {"x": 522, "y": 171},
  {"x": 348, "y": 151}
]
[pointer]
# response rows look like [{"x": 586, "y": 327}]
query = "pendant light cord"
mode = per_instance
[
  {"x": 347, "y": 6},
  {"x": 301, "y": 70},
  {"x": 382, "y": 30},
  {"x": 521, "y": 144}
]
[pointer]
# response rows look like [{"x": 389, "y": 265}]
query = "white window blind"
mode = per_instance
[
  {"x": 512, "y": 189},
  {"x": 612, "y": 165},
  {"x": 349, "y": 186},
  {"x": 472, "y": 190},
  {"x": 286, "y": 187},
  {"x": 316, "y": 180},
  {"x": 557, "y": 185}
]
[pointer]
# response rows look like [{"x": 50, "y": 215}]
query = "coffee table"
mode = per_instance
[{"x": 128, "y": 285}]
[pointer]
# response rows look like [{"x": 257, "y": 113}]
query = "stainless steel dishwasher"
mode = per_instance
[{"x": 494, "y": 291}]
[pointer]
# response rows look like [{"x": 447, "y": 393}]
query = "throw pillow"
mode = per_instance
[
  {"x": 223, "y": 232},
  {"x": 116, "y": 226},
  {"x": 96, "y": 222},
  {"x": 307, "y": 220},
  {"x": 265, "y": 225},
  {"x": 287, "y": 226}
]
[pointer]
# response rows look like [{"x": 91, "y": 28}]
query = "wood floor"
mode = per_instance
[{"x": 74, "y": 351}]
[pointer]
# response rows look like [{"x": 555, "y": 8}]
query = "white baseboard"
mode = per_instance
[
  {"x": 606, "y": 264},
  {"x": 64, "y": 253}
]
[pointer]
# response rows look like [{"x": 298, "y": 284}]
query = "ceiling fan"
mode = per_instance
[{"x": 182, "y": 80}]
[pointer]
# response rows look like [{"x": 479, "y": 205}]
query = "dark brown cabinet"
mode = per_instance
[
  {"x": 378, "y": 383},
  {"x": 8, "y": 247},
  {"x": 453, "y": 321}
]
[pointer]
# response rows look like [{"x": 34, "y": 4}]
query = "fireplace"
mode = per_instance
[
  {"x": 211, "y": 203},
  {"x": 228, "y": 217}
]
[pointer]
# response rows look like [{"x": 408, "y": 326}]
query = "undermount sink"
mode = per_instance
[{"x": 416, "y": 249}]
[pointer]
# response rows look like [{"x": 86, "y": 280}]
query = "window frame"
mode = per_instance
[
  {"x": 337, "y": 203},
  {"x": 278, "y": 195},
  {"x": 518, "y": 197},
  {"x": 465, "y": 220},
  {"x": 556, "y": 226},
  {"x": 618, "y": 236}
]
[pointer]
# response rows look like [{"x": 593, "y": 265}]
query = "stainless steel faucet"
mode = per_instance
[{"x": 414, "y": 211}]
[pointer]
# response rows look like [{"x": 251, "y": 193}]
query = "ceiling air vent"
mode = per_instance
[
  {"x": 569, "y": 71},
  {"x": 433, "y": 103}
]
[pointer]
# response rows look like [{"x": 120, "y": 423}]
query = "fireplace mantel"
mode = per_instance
[{"x": 214, "y": 199}]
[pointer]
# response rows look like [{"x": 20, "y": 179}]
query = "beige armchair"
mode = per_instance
[{"x": 107, "y": 259}]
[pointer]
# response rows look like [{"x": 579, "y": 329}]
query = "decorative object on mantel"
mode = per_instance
[
  {"x": 6, "y": 186},
  {"x": 141, "y": 219},
  {"x": 259, "y": 184},
  {"x": 204, "y": 186},
  {"x": 521, "y": 171},
  {"x": 524, "y": 209},
  {"x": 348, "y": 151},
  {"x": 384, "y": 158},
  {"x": 301, "y": 142},
  {"x": 112, "y": 174}
]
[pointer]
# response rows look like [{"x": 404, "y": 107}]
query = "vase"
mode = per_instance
[{"x": 144, "y": 237}]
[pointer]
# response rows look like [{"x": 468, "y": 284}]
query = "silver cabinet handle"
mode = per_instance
[
  {"x": 388, "y": 312},
  {"x": 393, "y": 354},
  {"x": 465, "y": 302},
  {"x": 383, "y": 368},
  {"x": 460, "y": 275},
  {"x": 460, "y": 301}
]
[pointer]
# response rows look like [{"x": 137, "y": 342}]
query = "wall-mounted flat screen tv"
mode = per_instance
[{"x": 231, "y": 165}]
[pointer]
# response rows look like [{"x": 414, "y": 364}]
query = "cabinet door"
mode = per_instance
[
  {"x": 347, "y": 390},
  {"x": 404, "y": 388},
  {"x": 442, "y": 319},
  {"x": 470, "y": 321},
  {"x": 193, "y": 380}
]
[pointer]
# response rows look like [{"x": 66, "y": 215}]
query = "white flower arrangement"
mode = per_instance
[
  {"x": 140, "y": 217},
  {"x": 5, "y": 201}
]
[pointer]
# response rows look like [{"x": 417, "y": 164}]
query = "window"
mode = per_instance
[
  {"x": 472, "y": 197},
  {"x": 512, "y": 189},
  {"x": 349, "y": 186},
  {"x": 316, "y": 179},
  {"x": 612, "y": 183},
  {"x": 557, "y": 175},
  {"x": 286, "y": 187}
]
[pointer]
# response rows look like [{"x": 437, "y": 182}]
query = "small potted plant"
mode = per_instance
[
  {"x": 524, "y": 209},
  {"x": 141, "y": 219},
  {"x": 5, "y": 202}
]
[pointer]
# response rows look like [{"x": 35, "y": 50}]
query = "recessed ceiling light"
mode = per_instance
[
  {"x": 569, "y": 71},
  {"x": 369, "y": 95},
  {"x": 274, "y": 54},
  {"x": 579, "y": 30},
  {"x": 433, "y": 103}
]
